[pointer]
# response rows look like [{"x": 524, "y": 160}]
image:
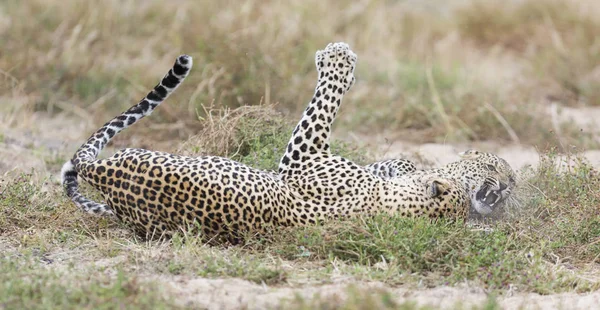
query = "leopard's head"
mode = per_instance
[{"x": 488, "y": 178}]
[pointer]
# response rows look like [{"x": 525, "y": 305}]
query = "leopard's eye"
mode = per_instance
[{"x": 491, "y": 168}]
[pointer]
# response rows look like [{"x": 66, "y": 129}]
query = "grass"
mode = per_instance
[
  {"x": 253, "y": 135},
  {"x": 27, "y": 284},
  {"x": 426, "y": 73},
  {"x": 541, "y": 31},
  {"x": 357, "y": 299},
  {"x": 454, "y": 73},
  {"x": 572, "y": 191},
  {"x": 548, "y": 245}
]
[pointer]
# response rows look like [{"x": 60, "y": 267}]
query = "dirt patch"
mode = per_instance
[
  {"x": 240, "y": 294},
  {"x": 36, "y": 141}
]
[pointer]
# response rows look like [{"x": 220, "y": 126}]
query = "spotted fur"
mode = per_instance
[
  {"x": 320, "y": 177},
  {"x": 158, "y": 193},
  {"x": 488, "y": 178},
  {"x": 392, "y": 168},
  {"x": 85, "y": 158}
]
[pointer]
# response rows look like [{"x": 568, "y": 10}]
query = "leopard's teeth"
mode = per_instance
[{"x": 497, "y": 199}]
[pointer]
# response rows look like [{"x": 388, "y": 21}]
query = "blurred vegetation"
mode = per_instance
[
  {"x": 365, "y": 299},
  {"x": 478, "y": 70}
]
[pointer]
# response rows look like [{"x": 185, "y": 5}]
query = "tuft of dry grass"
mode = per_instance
[
  {"x": 253, "y": 135},
  {"x": 224, "y": 131}
]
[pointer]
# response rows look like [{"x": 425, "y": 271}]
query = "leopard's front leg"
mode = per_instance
[{"x": 335, "y": 67}]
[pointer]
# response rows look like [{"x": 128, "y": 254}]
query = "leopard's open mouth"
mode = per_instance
[{"x": 487, "y": 199}]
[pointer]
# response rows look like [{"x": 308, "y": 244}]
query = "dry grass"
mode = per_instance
[
  {"x": 535, "y": 250},
  {"x": 549, "y": 247},
  {"x": 477, "y": 71},
  {"x": 558, "y": 39},
  {"x": 227, "y": 130}
]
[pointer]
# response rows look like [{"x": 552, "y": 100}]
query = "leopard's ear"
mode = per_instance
[
  {"x": 436, "y": 187},
  {"x": 469, "y": 154}
]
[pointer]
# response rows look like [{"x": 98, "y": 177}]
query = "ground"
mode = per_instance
[
  {"x": 432, "y": 80},
  {"x": 106, "y": 249}
]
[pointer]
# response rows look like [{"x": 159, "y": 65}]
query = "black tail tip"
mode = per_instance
[{"x": 184, "y": 60}]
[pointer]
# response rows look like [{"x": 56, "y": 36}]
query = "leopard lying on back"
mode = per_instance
[{"x": 159, "y": 193}]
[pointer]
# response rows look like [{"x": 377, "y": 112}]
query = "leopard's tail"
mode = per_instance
[{"x": 89, "y": 151}]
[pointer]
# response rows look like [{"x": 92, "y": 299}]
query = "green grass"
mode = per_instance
[
  {"x": 256, "y": 136},
  {"x": 191, "y": 256},
  {"x": 564, "y": 208},
  {"x": 401, "y": 251},
  {"x": 27, "y": 284},
  {"x": 557, "y": 220}
]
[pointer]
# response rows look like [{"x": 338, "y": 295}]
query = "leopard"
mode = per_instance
[
  {"x": 488, "y": 178},
  {"x": 391, "y": 168},
  {"x": 158, "y": 194}
]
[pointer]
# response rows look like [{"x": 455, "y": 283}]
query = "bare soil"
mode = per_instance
[{"x": 240, "y": 294}]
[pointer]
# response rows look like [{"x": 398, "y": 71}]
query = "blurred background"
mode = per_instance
[{"x": 433, "y": 77}]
